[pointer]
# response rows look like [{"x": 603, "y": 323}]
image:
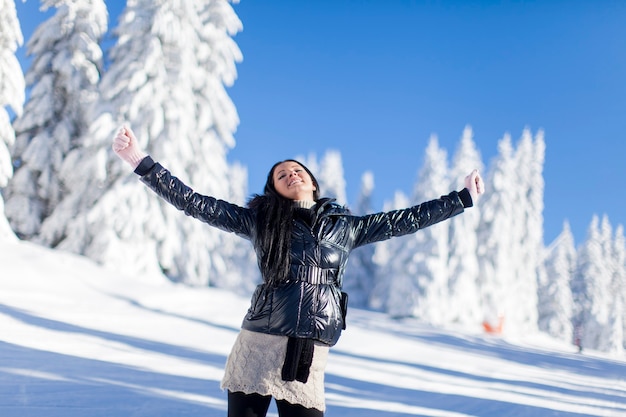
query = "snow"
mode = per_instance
[{"x": 78, "y": 339}]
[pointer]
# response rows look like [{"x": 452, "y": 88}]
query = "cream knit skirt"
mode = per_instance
[{"x": 255, "y": 363}]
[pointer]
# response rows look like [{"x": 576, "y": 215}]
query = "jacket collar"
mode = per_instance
[
  {"x": 322, "y": 204},
  {"x": 328, "y": 206}
]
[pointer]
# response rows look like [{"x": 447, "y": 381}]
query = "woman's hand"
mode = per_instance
[
  {"x": 126, "y": 146},
  {"x": 474, "y": 184}
]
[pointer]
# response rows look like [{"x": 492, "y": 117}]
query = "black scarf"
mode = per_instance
[{"x": 298, "y": 359}]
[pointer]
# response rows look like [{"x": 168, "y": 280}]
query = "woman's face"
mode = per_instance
[{"x": 292, "y": 181}]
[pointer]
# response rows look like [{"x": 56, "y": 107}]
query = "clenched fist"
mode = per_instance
[
  {"x": 474, "y": 184},
  {"x": 126, "y": 146}
]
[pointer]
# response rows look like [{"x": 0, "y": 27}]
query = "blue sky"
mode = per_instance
[{"x": 374, "y": 79}]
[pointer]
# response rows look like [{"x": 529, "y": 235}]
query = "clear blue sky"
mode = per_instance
[{"x": 374, "y": 79}]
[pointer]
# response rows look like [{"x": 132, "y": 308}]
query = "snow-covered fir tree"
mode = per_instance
[
  {"x": 11, "y": 97},
  {"x": 331, "y": 177},
  {"x": 464, "y": 300},
  {"x": 496, "y": 253},
  {"x": 63, "y": 76},
  {"x": 360, "y": 273},
  {"x": 394, "y": 288},
  {"x": 528, "y": 231},
  {"x": 511, "y": 235},
  {"x": 167, "y": 76},
  {"x": 616, "y": 292},
  {"x": 555, "y": 303},
  {"x": 615, "y": 258},
  {"x": 417, "y": 267},
  {"x": 616, "y": 330},
  {"x": 591, "y": 288},
  {"x": 606, "y": 313},
  {"x": 430, "y": 260}
]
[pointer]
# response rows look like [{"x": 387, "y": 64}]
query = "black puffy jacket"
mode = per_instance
[{"x": 309, "y": 304}]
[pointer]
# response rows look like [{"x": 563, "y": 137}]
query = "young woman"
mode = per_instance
[{"x": 302, "y": 243}]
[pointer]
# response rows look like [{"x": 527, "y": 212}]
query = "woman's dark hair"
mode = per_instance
[{"x": 274, "y": 226}]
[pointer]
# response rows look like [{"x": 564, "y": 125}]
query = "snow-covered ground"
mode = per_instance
[{"x": 80, "y": 340}]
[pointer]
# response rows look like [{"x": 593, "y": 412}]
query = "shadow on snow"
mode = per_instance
[{"x": 39, "y": 383}]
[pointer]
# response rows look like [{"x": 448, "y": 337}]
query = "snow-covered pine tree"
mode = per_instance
[
  {"x": 167, "y": 76},
  {"x": 11, "y": 97},
  {"x": 510, "y": 234},
  {"x": 63, "y": 77},
  {"x": 238, "y": 251},
  {"x": 394, "y": 290},
  {"x": 496, "y": 255},
  {"x": 464, "y": 300},
  {"x": 533, "y": 240},
  {"x": 527, "y": 232},
  {"x": 555, "y": 303},
  {"x": 616, "y": 292},
  {"x": 360, "y": 276},
  {"x": 578, "y": 284},
  {"x": 604, "y": 301},
  {"x": 614, "y": 257},
  {"x": 331, "y": 171},
  {"x": 616, "y": 330},
  {"x": 590, "y": 288},
  {"x": 425, "y": 253},
  {"x": 433, "y": 242}
]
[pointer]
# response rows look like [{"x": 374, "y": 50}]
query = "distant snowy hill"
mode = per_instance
[{"x": 77, "y": 340}]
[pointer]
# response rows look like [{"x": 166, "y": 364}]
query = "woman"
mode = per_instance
[{"x": 302, "y": 244}]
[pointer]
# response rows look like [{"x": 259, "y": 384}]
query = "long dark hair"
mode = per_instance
[{"x": 274, "y": 226}]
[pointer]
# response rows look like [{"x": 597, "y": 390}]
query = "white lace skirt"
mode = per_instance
[{"x": 255, "y": 363}]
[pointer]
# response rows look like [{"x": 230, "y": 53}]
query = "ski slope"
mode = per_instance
[{"x": 78, "y": 340}]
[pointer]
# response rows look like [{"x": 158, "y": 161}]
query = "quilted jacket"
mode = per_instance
[{"x": 310, "y": 303}]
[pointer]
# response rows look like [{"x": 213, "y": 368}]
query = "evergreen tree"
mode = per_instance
[
  {"x": 394, "y": 289},
  {"x": 167, "y": 76},
  {"x": 11, "y": 97},
  {"x": 615, "y": 342},
  {"x": 360, "y": 276},
  {"x": 496, "y": 252},
  {"x": 239, "y": 253},
  {"x": 433, "y": 242},
  {"x": 616, "y": 293},
  {"x": 419, "y": 265},
  {"x": 464, "y": 300},
  {"x": 63, "y": 76},
  {"x": 527, "y": 231},
  {"x": 331, "y": 177},
  {"x": 510, "y": 234},
  {"x": 604, "y": 301},
  {"x": 591, "y": 288},
  {"x": 614, "y": 255},
  {"x": 555, "y": 304}
]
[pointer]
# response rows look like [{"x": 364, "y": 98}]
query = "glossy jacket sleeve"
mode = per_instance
[
  {"x": 381, "y": 226},
  {"x": 218, "y": 213}
]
